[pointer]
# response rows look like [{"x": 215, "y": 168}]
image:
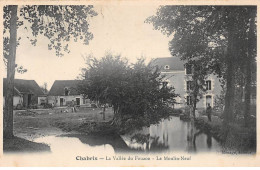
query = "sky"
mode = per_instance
[{"x": 117, "y": 29}]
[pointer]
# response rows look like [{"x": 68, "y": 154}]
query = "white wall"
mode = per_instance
[
  {"x": 55, "y": 100},
  {"x": 178, "y": 81},
  {"x": 16, "y": 100},
  {"x": 42, "y": 99}
]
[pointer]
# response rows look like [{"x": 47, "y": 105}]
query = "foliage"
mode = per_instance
[
  {"x": 135, "y": 91},
  {"x": 240, "y": 139},
  {"x": 222, "y": 37},
  {"x": 103, "y": 77},
  {"x": 219, "y": 103},
  {"x": 193, "y": 36},
  {"x": 190, "y": 42},
  {"x": 198, "y": 77},
  {"x": 176, "y": 111},
  {"x": 58, "y": 23},
  {"x": 44, "y": 88}
]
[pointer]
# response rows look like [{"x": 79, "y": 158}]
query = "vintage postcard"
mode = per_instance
[{"x": 129, "y": 83}]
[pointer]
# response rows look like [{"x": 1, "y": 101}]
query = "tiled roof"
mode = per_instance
[
  {"x": 58, "y": 87},
  {"x": 173, "y": 63},
  {"x": 23, "y": 86}
]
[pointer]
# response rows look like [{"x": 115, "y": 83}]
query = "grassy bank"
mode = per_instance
[
  {"x": 17, "y": 144},
  {"x": 234, "y": 139}
]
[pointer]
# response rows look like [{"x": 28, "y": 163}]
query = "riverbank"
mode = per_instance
[
  {"x": 236, "y": 139},
  {"x": 17, "y": 144},
  {"x": 29, "y": 125}
]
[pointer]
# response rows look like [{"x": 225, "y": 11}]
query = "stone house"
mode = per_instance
[
  {"x": 179, "y": 76},
  {"x": 64, "y": 93},
  {"x": 26, "y": 92}
]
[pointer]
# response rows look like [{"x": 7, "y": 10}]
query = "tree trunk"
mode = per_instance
[
  {"x": 248, "y": 68},
  {"x": 195, "y": 94},
  {"x": 230, "y": 92},
  {"x": 229, "y": 98},
  {"x": 8, "y": 115},
  {"x": 104, "y": 110},
  {"x": 117, "y": 119},
  {"x": 194, "y": 107},
  {"x": 115, "y": 108}
]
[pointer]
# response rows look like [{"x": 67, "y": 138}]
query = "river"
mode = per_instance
[{"x": 170, "y": 135}]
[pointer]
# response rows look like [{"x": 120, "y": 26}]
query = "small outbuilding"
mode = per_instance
[
  {"x": 26, "y": 93},
  {"x": 65, "y": 93}
]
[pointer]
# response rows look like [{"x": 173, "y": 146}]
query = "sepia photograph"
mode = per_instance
[{"x": 127, "y": 83}]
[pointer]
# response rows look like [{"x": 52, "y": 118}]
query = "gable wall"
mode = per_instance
[
  {"x": 55, "y": 100},
  {"x": 16, "y": 100},
  {"x": 178, "y": 80}
]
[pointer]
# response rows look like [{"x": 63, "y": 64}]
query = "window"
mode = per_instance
[
  {"x": 208, "y": 100},
  {"x": 189, "y": 100},
  {"x": 189, "y": 85},
  {"x": 208, "y": 85},
  {"x": 166, "y": 67},
  {"x": 42, "y": 101},
  {"x": 66, "y": 91},
  {"x": 61, "y": 101},
  {"x": 78, "y": 101},
  {"x": 188, "y": 69}
]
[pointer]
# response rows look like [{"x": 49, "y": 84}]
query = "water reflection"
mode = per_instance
[
  {"x": 63, "y": 145},
  {"x": 209, "y": 140},
  {"x": 168, "y": 136},
  {"x": 172, "y": 135}
]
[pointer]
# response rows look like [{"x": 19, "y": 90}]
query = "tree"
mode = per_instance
[
  {"x": 8, "y": 115},
  {"x": 44, "y": 88},
  {"x": 190, "y": 41},
  {"x": 198, "y": 77},
  {"x": 135, "y": 91},
  {"x": 59, "y": 24},
  {"x": 250, "y": 59},
  {"x": 211, "y": 34},
  {"x": 102, "y": 79}
]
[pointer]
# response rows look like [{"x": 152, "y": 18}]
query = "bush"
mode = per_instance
[
  {"x": 177, "y": 111},
  {"x": 33, "y": 106},
  {"x": 241, "y": 139},
  {"x": 202, "y": 112},
  {"x": 19, "y": 107},
  {"x": 47, "y": 105},
  {"x": 187, "y": 110},
  {"x": 93, "y": 105}
]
